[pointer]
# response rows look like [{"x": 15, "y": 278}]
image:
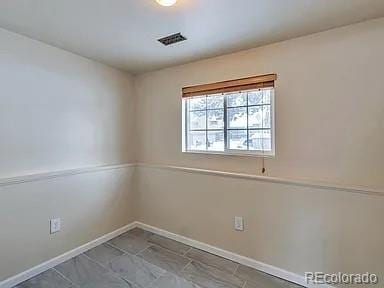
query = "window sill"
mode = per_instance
[{"x": 234, "y": 153}]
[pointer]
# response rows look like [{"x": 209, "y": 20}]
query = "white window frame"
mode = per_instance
[{"x": 227, "y": 151}]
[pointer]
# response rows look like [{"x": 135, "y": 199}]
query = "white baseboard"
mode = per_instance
[
  {"x": 272, "y": 270},
  {"x": 17, "y": 279}
]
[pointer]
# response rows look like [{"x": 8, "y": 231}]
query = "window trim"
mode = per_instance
[{"x": 227, "y": 151}]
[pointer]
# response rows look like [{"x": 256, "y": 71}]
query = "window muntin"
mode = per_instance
[{"x": 230, "y": 123}]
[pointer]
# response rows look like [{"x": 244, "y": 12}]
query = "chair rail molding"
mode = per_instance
[
  {"x": 278, "y": 180},
  {"x": 61, "y": 173}
]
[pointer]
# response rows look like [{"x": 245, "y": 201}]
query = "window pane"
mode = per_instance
[
  {"x": 248, "y": 119},
  {"x": 197, "y": 140},
  {"x": 259, "y": 116},
  {"x": 260, "y": 140},
  {"x": 237, "y": 117},
  {"x": 267, "y": 96},
  {"x": 215, "y": 140},
  {"x": 216, "y": 119},
  {"x": 255, "y": 97},
  {"x": 215, "y": 101},
  {"x": 237, "y": 139},
  {"x": 197, "y": 103},
  {"x": 197, "y": 120},
  {"x": 259, "y": 97},
  {"x": 238, "y": 99}
]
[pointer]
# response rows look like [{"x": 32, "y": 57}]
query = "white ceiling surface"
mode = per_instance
[{"x": 123, "y": 33}]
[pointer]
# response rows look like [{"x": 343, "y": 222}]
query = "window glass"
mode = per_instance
[
  {"x": 238, "y": 139},
  {"x": 197, "y": 120},
  {"x": 237, "y": 117},
  {"x": 197, "y": 103},
  {"x": 237, "y": 99},
  {"x": 230, "y": 123},
  {"x": 215, "y": 102},
  {"x": 215, "y": 140}
]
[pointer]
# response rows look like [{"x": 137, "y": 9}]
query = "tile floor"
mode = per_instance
[{"x": 140, "y": 259}]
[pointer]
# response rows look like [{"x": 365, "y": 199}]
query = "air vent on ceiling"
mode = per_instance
[{"x": 172, "y": 39}]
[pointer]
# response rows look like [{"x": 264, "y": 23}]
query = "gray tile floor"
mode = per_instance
[{"x": 141, "y": 259}]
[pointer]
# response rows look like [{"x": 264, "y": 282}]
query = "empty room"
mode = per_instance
[{"x": 191, "y": 143}]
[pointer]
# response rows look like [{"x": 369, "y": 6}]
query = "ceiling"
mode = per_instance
[{"x": 123, "y": 33}]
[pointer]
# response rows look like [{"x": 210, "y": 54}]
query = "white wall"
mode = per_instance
[
  {"x": 59, "y": 111},
  {"x": 72, "y": 112},
  {"x": 90, "y": 205},
  {"x": 295, "y": 228},
  {"x": 329, "y": 107},
  {"x": 329, "y": 128}
]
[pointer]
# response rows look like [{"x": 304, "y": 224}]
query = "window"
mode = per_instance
[{"x": 239, "y": 121}]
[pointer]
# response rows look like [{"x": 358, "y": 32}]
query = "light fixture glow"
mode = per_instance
[{"x": 166, "y": 2}]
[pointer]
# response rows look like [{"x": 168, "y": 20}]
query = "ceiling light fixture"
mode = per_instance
[{"x": 166, "y": 2}]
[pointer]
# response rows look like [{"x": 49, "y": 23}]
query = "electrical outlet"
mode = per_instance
[
  {"x": 55, "y": 225},
  {"x": 239, "y": 223}
]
